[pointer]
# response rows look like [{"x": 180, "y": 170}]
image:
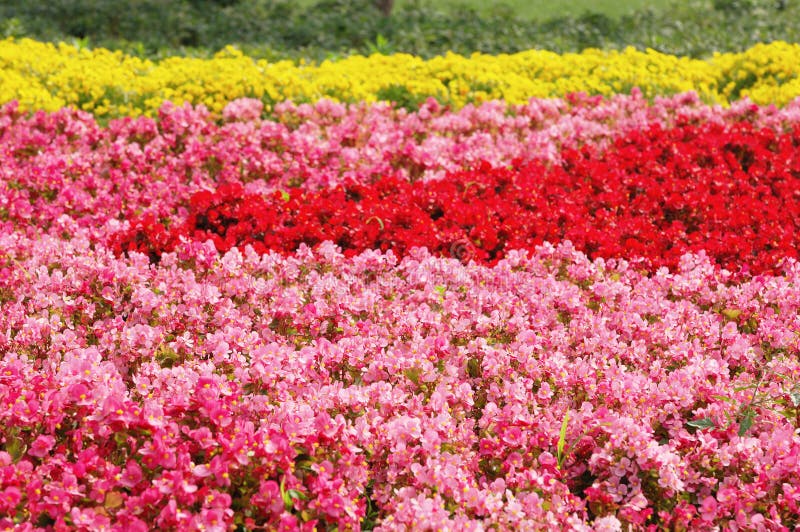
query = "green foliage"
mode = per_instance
[
  {"x": 275, "y": 29},
  {"x": 402, "y": 98},
  {"x": 11, "y": 27},
  {"x": 786, "y": 404},
  {"x": 150, "y": 21}
]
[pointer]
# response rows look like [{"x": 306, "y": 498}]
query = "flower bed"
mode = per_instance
[
  {"x": 261, "y": 390},
  {"x": 620, "y": 379},
  {"x": 111, "y": 84}
]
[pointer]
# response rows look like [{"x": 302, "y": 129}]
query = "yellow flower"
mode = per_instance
[{"x": 108, "y": 83}]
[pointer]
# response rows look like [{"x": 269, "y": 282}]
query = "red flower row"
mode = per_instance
[{"x": 733, "y": 191}]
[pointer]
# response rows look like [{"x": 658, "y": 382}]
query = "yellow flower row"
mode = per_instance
[{"x": 107, "y": 83}]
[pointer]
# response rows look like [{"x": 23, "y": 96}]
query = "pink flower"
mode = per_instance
[
  {"x": 9, "y": 499},
  {"x": 88, "y": 519},
  {"x": 546, "y": 459},
  {"x": 132, "y": 475},
  {"x": 608, "y": 523},
  {"x": 201, "y": 471},
  {"x": 545, "y": 392},
  {"x": 213, "y": 519},
  {"x": 268, "y": 498},
  {"x": 41, "y": 446},
  {"x": 243, "y": 109}
]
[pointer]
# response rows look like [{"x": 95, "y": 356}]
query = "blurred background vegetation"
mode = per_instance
[
  {"x": 531, "y": 9},
  {"x": 323, "y": 29}
]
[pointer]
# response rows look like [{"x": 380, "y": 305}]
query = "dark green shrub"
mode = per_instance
[{"x": 332, "y": 28}]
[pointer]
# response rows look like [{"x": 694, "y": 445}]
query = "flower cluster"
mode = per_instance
[
  {"x": 656, "y": 194},
  {"x": 111, "y": 84}
]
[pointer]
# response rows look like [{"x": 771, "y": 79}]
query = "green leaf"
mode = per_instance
[
  {"x": 121, "y": 438},
  {"x": 294, "y": 494},
  {"x": 729, "y": 417},
  {"x": 723, "y": 398},
  {"x": 731, "y": 313},
  {"x": 704, "y": 423},
  {"x": 413, "y": 374},
  {"x": 285, "y": 195},
  {"x": 474, "y": 368},
  {"x": 562, "y": 438},
  {"x": 16, "y": 447},
  {"x": 746, "y": 422},
  {"x": 287, "y": 500}
]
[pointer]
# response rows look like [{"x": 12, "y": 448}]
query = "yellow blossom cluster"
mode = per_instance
[{"x": 110, "y": 83}]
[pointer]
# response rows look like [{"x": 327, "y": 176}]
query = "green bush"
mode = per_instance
[{"x": 331, "y": 28}]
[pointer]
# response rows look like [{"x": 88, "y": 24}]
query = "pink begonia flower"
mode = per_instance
[
  {"x": 41, "y": 446},
  {"x": 546, "y": 459},
  {"x": 244, "y": 109},
  {"x": 172, "y": 516},
  {"x": 132, "y": 474},
  {"x": 5, "y": 459},
  {"x": 213, "y": 520},
  {"x": 268, "y": 497},
  {"x": 9, "y": 498},
  {"x": 80, "y": 393},
  {"x": 114, "y": 409},
  {"x": 608, "y": 523},
  {"x": 204, "y": 437},
  {"x": 157, "y": 454},
  {"x": 513, "y": 436},
  {"x": 201, "y": 471},
  {"x": 132, "y": 524},
  {"x": 219, "y": 467},
  {"x": 89, "y": 519},
  {"x": 545, "y": 392}
]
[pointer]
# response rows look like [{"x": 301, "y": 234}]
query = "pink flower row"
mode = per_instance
[{"x": 547, "y": 392}]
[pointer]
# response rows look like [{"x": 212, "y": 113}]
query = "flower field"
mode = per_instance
[{"x": 498, "y": 292}]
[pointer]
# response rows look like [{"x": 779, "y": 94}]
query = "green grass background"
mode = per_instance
[
  {"x": 323, "y": 29},
  {"x": 545, "y": 9}
]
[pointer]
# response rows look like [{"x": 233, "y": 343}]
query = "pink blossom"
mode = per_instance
[{"x": 41, "y": 446}]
